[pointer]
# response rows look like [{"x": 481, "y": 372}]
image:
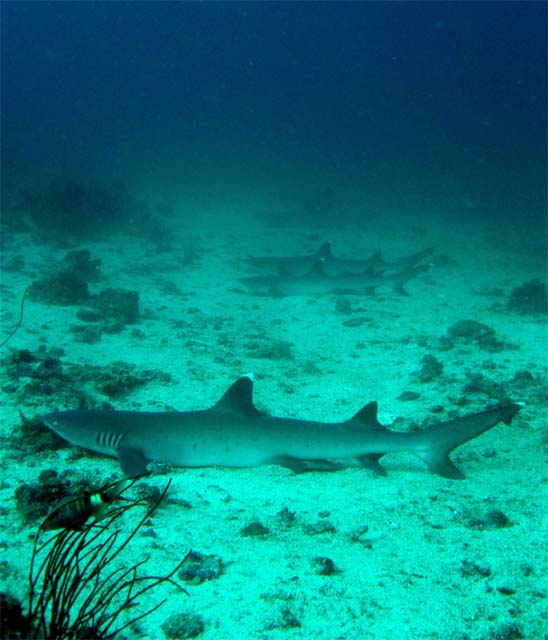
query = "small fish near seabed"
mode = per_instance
[
  {"x": 233, "y": 433},
  {"x": 73, "y": 513}
]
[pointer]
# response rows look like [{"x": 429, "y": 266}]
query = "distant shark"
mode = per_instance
[
  {"x": 333, "y": 266},
  {"x": 290, "y": 265},
  {"x": 317, "y": 282},
  {"x": 233, "y": 433}
]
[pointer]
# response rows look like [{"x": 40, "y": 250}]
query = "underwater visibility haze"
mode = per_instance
[{"x": 284, "y": 264}]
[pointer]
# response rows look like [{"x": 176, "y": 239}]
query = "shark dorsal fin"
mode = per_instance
[
  {"x": 238, "y": 397},
  {"x": 377, "y": 258},
  {"x": 324, "y": 251},
  {"x": 366, "y": 418}
]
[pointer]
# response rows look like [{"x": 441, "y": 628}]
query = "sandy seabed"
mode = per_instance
[{"x": 416, "y": 555}]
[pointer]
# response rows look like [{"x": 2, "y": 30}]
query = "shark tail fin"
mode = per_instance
[
  {"x": 404, "y": 276},
  {"x": 435, "y": 444}
]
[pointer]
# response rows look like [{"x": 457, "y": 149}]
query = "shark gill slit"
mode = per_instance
[{"x": 109, "y": 439}]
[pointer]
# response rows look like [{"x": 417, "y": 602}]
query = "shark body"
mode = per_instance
[
  {"x": 317, "y": 281},
  {"x": 233, "y": 433},
  {"x": 290, "y": 265},
  {"x": 332, "y": 265}
]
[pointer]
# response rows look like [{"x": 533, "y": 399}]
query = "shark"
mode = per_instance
[
  {"x": 317, "y": 281},
  {"x": 290, "y": 265},
  {"x": 332, "y": 265},
  {"x": 234, "y": 433}
]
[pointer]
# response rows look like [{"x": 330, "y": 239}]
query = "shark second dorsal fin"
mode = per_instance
[
  {"x": 238, "y": 397},
  {"x": 366, "y": 418},
  {"x": 324, "y": 251}
]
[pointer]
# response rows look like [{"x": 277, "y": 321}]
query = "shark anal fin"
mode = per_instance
[
  {"x": 444, "y": 466},
  {"x": 132, "y": 461},
  {"x": 371, "y": 461}
]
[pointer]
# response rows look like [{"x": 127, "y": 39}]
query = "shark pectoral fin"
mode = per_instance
[
  {"x": 132, "y": 461},
  {"x": 371, "y": 461}
]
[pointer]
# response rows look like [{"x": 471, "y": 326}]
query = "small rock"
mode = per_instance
[
  {"x": 183, "y": 625},
  {"x": 320, "y": 527},
  {"x": 431, "y": 369},
  {"x": 408, "y": 396},
  {"x": 255, "y": 529},
  {"x": 324, "y": 566},
  {"x": 198, "y": 568},
  {"x": 471, "y": 569}
]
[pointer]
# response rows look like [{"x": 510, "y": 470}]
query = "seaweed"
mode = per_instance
[
  {"x": 19, "y": 321},
  {"x": 75, "y": 589}
]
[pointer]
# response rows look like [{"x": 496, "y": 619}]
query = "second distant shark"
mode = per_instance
[
  {"x": 318, "y": 282},
  {"x": 300, "y": 265}
]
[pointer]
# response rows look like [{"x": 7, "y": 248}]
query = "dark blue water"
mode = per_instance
[{"x": 434, "y": 105}]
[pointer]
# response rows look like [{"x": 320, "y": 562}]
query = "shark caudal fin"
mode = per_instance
[
  {"x": 434, "y": 445},
  {"x": 399, "y": 279}
]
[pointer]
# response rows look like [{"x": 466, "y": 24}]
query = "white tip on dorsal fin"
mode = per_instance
[{"x": 248, "y": 375}]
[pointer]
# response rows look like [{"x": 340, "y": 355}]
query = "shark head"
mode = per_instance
[{"x": 94, "y": 433}]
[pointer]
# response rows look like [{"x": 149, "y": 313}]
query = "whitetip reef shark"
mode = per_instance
[
  {"x": 234, "y": 433},
  {"x": 332, "y": 265},
  {"x": 318, "y": 282}
]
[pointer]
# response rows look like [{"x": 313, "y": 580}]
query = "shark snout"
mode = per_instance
[
  {"x": 64, "y": 423},
  {"x": 52, "y": 420}
]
